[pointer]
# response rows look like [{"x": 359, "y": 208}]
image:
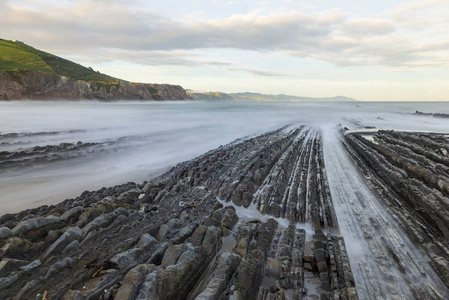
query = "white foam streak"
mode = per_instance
[{"x": 251, "y": 213}]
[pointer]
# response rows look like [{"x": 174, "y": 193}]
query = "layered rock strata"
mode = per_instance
[
  {"x": 410, "y": 173},
  {"x": 250, "y": 220},
  {"x": 40, "y": 156},
  {"x": 44, "y": 86}
]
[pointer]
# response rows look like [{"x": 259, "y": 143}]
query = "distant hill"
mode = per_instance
[
  {"x": 209, "y": 95},
  {"x": 29, "y": 73},
  {"x": 261, "y": 97}
]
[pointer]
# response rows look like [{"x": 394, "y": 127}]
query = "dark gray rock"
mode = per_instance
[
  {"x": 15, "y": 246},
  {"x": 71, "y": 234},
  {"x": 128, "y": 258},
  {"x": 5, "y": 232},
  {"x": 133, "y": 281},
  {"x": 146, "y": 242},
  {"x": 103, "y": 220},
  {"x": 60, "y": 265},
  {"x": 172, "y": 254},
  {"x": 34, "y": 224},
  {"x": 73, "y": 212},
  {"x": 162, "y": 233},
  {"x": 8, "y": 265},
  {"x": 129, "y": 196},
  {"x": 28, "y": 289},
  {"x": 9, "y": 280},
  {"x": 221, "y": 272},
  {"x": 31, "y": 266}
]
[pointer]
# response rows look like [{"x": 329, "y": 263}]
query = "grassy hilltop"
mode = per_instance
[
  {"x": 19, "y": 57},
  {"x": 29, "y": 73}
]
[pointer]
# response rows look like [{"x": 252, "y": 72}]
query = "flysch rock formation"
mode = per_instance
[
  {"x": 250, "y": 220},
  {"x": 410, "y": 174},
  {"x": 45, "y": 86},
  {"x": 41, "y": 156}
]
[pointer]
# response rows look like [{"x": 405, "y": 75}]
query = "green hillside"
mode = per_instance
[{"x": 16, "y": 56}]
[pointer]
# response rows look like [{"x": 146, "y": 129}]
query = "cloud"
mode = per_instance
[
  {"x": 367, "y": 26},
  {"x": 259, "y": 72},
  {"x": 128, "y": 31},
  {"x": 412, "y": 7},
  {"x": 161, "y": 58},
  {"x": 91, "y": 24}
]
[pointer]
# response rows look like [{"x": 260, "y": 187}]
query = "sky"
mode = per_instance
[{"x": 368, "y": 50}]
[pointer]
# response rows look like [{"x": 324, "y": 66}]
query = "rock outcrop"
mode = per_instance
[
  {"x": 230, "y": 224},
  {"x": 250, "y": 220},
  {"x": 20, "y": 85},
  {"x": 410, "y": 173}
]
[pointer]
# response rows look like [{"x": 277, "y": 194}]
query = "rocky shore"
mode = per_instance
[
  {"x": 40, "y": 156},
  {"x": 410, "y": 173},
  {"x": 250, "y": 220},
  {"x": 436, "y": 115},
  {"x": 21, "y": 85}
]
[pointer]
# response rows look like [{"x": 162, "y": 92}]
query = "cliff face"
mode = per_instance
[{"x": 45, "y": 86}]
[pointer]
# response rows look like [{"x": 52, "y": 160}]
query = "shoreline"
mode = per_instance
[
  {"x": 174, "y": 228},
  {"x": 201, "y": 218}
]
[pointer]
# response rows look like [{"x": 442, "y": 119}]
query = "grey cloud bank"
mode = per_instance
[{"x": 332, "y": 35}]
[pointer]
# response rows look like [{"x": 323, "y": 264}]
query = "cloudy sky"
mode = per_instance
[{"x": 369, "y": 50}]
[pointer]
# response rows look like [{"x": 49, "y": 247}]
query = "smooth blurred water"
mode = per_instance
[{"x": 143, "y": 139}]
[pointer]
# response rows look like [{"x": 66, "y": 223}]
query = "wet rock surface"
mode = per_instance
[
  {"x": 436, "y": 115},
  {"x": 410, "y": 173},
  {"x": 42, "y": 155},
  {"x": 22, "y": 152},
  {"x": 250, "y": 220}
]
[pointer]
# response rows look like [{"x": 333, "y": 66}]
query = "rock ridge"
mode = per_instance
[
  {"x": 250, "y": 220},
  {"x": 410, "y": 174}
]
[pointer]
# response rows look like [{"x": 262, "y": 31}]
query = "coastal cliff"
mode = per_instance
[
  {"x": 19, "y": 85},
  {"x": 29, "y": 73}
]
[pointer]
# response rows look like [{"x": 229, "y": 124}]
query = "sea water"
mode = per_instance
[{"x": 140, "y": 140}]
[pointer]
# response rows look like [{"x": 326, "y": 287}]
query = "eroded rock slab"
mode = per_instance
[
  {"x": 410, "y": 174},
  {"x": 230, "y": 224}
]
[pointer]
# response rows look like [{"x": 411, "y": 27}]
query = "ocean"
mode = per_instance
[{"x": 135, "y": 141}]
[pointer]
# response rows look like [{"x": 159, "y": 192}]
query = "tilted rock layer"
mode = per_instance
[
  {"x": 410, "y": 173},
  {"x": 250, "y": 220},
  {"x": 44, "y": 86}
]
